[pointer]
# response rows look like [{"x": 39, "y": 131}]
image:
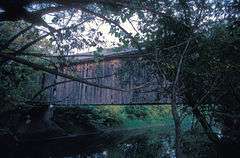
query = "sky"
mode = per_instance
[{"x": 102, "y": 27}]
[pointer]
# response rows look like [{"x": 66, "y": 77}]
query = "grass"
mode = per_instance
[
  {"x": 164, "y": 123},
  {"x": 158, "y": 117}
]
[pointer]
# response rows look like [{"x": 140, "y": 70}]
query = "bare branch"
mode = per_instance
[
  {"x": 45, "y": 88},
  {"x": 15, "y": 37},
  {"x": 55, "y": 72},
  {"x": 175, "y": 113},
  {"x": 129, "y": 35},
  {"x": 30, "y": 44}
]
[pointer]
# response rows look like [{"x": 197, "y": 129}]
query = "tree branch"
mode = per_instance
[
  {"x": 129, "y": 35},
  {"x": 175, "y": 113},
  {"x": 54, "y": 72},
  {"x": 15, "y": 37}
]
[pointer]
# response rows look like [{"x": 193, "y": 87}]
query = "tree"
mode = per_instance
[
  {"x": 186, "y": 43},
  {"x": 167, "y": 28},
  {"x": 18, "y": 82}
]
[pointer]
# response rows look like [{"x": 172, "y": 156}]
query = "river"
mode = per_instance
[{"x": 144, "y": 142}]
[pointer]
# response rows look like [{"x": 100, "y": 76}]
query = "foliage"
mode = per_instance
[
  {"x": 92, "y": 118},
  {"x": 207, "y": 30},
  {"x": 210, "y": 68},
  {"x": 18, "y": 82},
  {"x": 109, "y": 116}
]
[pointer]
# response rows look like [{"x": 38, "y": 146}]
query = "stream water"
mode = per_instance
[{"x": 124, "y": 143}]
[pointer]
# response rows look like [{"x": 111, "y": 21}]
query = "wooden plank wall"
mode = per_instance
[{"x": 75, "y": 93}]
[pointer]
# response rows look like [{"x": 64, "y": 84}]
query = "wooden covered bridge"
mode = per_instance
[{"x": 143, "y": 88}]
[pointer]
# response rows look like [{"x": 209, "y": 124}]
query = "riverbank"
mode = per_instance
[{"x": 100, "y": 128}]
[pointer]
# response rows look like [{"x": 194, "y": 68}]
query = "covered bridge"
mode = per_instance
[{"x": 106, "y": 71}]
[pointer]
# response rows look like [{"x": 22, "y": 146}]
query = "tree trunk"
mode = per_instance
[
  {"x": 203, "y": 121},
  {"x": 177, "y": 124},
  {"x": 175, "y": 114}
]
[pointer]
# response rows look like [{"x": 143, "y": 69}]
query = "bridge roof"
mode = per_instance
[{"x": 107, "y": 54}]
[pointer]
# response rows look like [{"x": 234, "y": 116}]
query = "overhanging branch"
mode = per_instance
[
  {"x": 129, "y": 35},
  {"x": 55, "y": 72},
  {"x": 15, "y": 37}
]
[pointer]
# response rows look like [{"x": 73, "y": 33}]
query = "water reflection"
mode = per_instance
[
  {"x": 115, "y": 144},
  {"x": 136, "y": 147}
]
